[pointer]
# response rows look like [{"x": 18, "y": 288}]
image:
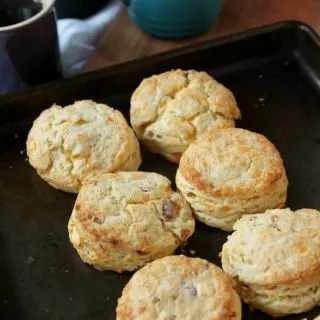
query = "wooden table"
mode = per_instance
[{"x": 123, "y": 41}]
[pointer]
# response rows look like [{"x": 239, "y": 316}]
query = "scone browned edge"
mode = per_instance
[
  {"x": 66, "y": 144},
  {"x": 213, "y": 176},
  {"x": 274, "y": 260},
  {"x": 178, "y": 287},
  {"x": 123, "y": 220},
  {"x": 172, "y": 109}
]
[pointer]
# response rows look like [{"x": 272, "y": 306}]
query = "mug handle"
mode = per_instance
[{"x": 126, "y": 2}]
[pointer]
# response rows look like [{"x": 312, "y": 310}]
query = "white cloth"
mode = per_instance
[{"x": 78, "y": 38}]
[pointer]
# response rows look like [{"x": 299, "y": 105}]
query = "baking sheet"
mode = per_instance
[{"x": 274, "y": 74}]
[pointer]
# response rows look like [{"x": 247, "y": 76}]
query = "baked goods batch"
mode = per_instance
[{"x": 228, "y": 178}]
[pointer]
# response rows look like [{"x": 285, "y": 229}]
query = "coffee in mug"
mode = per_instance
[{"x": 15, "y": 11}]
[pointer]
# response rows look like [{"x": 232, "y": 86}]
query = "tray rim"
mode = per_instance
[
  {"x": 295, "y": 25},
  {"x": 211, "y": 43}
]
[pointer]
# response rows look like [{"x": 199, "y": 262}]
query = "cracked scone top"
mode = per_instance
[
  {"x": 123, "y": 220},
  {"x": 178, "y": 287},
  {"x": 230, "y": 173},
  {"x": 66, "y": 144},
  {"x": 274, "y": 260},
  {"x": 172, "y": 109}
]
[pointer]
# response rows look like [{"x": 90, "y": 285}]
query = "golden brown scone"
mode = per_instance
[
  {"x": 172, "y": 109},
  {"x": 66, "y": 144},
  {"x": 274, "y": 260},
  {"x": 231, "y": 173},
  {"x": 176, "y": 288},
  {"x": 123, "y": 220}
]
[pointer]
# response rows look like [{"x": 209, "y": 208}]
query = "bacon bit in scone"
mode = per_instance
[
  {"x": 159, "y": 136},
  {"x": 168, "y": 209},
  {"x": 246, "y": 291},
  {"x": 274, "y": 218},
  {"x": 150, "y": 134},
  {"x": 184, "y": 233},
  {"x": 155, "y": 300},
  {"x": 190, "y": 194},
  {"x": 141, "y": 253},
  {"x": 113, "y": 241},
  {"x": 253, "y": 218},
  {"x": 78, "y": 207},
  {"x": 176, "y": 156},
  {"x": 97, "y": 220},
  {"x": 144, "y": 189},
  {"x": 192, "y": 289}
]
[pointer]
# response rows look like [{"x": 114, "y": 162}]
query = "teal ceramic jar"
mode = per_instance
[{"x": 173, "y": 18}]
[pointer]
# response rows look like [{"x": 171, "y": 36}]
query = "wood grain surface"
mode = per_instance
[{"x": 123, "y": 41}]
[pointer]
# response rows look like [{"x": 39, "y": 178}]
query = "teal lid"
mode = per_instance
[{"x": 173, "y": 18}]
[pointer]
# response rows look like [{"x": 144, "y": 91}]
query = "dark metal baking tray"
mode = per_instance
[{"x": 274, "y": 72}]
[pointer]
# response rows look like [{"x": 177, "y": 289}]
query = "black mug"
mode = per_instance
[{"x": 29, "y": 49}]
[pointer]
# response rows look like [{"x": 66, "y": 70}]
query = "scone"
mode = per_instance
[
  {"x": 231, "y": 173},
  {"x": 172, "y": 109},
  {"x": 66, "y": 144},
  {"x": 177, "y": 287},
  {"x": 123, "y": 220},
  {"x": 274, "y": 260}
]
